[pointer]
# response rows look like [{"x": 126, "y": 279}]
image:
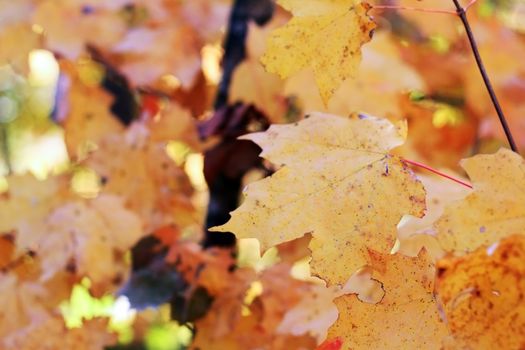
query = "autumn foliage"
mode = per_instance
[{"x": 242, "y": 175}]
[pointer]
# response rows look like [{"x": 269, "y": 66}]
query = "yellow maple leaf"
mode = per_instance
[
  {"x": 338, "y": 183},
  {"x": 374, "y": 89},
  {"x": 84, "y": 238},
  {"x": 406, "y": 318},
  {"x": 324, "y": 35},
  {"x": 482, "y": 296},
  {"x": 494, "y": 210}
]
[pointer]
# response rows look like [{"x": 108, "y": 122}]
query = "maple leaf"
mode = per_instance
[
  {"x": 67, "y": 233},
  {"x": 374, "y": 89},
  {"x": 337, "y": 180},
  {"x": 495, "y": 209},
  {"x": 51, "y": 333},
  {"x": 406, "y": 318},
  {"x": 88, "y": 235},
  {"x": 482, "y": 296},
  {"x": 140, "y": 171},
  {"x": 324, "y": 35}
]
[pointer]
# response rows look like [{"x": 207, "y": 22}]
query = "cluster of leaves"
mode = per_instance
[{"x": 401, "y": 260}]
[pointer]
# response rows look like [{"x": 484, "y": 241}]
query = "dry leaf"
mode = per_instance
[
  {"x": 140, "y": 171},
  {"x": 381, "y": 77},
  {"x": 494, "y": 210},
  {"x": 86, "y": 237},
  {"x": 336, "y": 180},
  {"x": 303, "y": 41},
  {"x": 482, "y": 296},
  {"x": 406, "y": 318}
]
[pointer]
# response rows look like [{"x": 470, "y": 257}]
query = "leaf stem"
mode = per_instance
[
  {"x": 437, "y": 172},
  {"x": 408, "y": 8},
  {"x": 461, "y": 12}
]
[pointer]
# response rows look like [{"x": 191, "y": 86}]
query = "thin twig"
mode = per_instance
[
  {"x": 408, "y": 8},
  {"x": 463, "y": 16},
  {"x": 437, "y": 172}
]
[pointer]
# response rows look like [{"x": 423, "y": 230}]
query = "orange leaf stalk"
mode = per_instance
[{"x": 435, "y": 171}]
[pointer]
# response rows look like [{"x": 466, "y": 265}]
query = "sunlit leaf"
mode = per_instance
[
  {"x": 302, "y": 43},
  {"x": 336, "y": 179}
]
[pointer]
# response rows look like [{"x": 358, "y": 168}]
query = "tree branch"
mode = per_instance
[{"x": 461, "y": 12}]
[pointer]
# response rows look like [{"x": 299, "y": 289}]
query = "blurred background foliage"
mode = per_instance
[{"x": 32, "y": 140}]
